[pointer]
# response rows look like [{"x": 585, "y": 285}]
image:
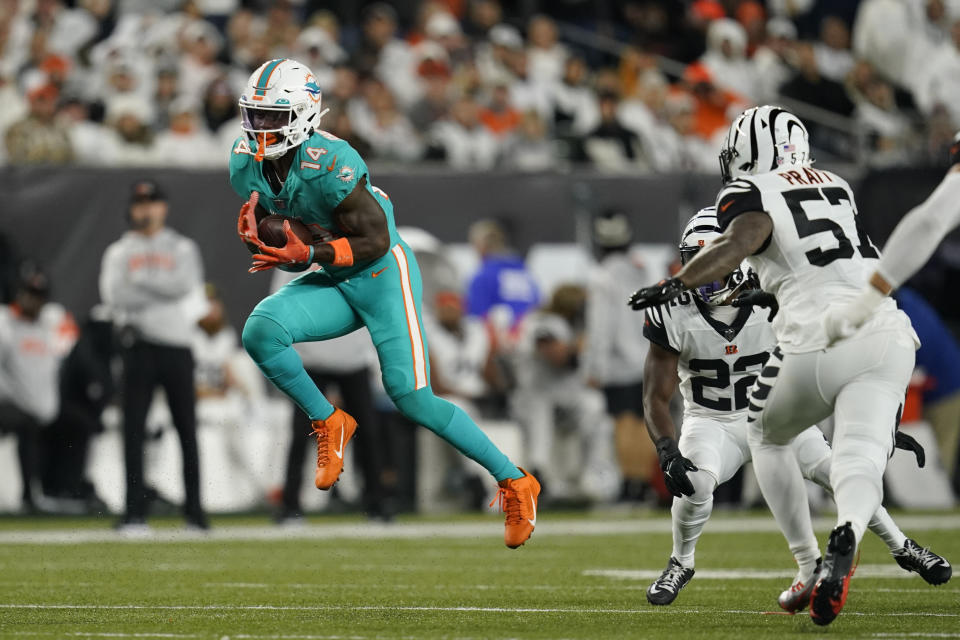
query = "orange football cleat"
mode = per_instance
[
  {"x": 332, "y": 436},
  {"x": 518, "y": 499}
]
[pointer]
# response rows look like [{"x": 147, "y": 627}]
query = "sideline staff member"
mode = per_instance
[{"x": 152, "y": 280}]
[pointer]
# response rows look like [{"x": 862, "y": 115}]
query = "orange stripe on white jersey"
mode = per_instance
[{"x": 413, "y": 324}]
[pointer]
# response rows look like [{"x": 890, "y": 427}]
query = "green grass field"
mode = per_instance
[{"x": 345, "y": 579}]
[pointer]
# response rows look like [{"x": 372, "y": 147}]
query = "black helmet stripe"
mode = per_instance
[
  {"x": 774, "y": 114},
  {"x": 753, "y": 138}
]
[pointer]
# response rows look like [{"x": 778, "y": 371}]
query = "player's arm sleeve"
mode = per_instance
[
  {"x": 737, "y": 197},
  {"x": 919, "y": 233},
  {"x": 655, "y": 328}
]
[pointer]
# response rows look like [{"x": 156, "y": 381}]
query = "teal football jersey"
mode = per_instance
[{"x": 325, "y": 170}]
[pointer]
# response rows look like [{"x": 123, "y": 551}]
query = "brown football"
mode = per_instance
[{"x": 271, "y": 231}]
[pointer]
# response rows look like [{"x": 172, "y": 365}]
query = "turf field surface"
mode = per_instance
[{"x": 579, "y": 577}]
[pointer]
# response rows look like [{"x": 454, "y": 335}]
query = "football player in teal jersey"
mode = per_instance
[{"x": 285, "y": 164}]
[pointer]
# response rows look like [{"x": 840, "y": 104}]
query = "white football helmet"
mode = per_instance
[
  {"x": 701, "y": 230},
  {"x": 763, "y": 139},
  {"x": 280, "y": 107}
]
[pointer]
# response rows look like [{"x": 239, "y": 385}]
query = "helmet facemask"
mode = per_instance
[
  {"x": 280, "y": 108},
  {"x": 718, "y": 292}
]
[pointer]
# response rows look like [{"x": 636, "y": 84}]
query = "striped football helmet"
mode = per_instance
[
  {"x": 763, "y": 139},
  {"x": 280, "y": 107},
  {"x": 701, "y": 230}
]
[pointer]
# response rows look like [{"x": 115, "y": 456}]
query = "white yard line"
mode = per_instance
[
  {"x": 525, "y": 610},
  {"x": 421, "y": 530}
]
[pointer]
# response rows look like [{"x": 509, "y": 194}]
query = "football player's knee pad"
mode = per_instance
[
  {"x": 704, "y": 484},
  {"x": 424, "y": 408},
  {"x": 264, "y": 338}
]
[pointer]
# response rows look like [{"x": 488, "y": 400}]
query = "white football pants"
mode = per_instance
[{"x": 861, "y": 380}]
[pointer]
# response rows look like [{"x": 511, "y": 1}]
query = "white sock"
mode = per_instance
[
  {"x": 782, "y": 485},
  {"x": 689, "y": 514},
  {"x": 883, "y": 525}
]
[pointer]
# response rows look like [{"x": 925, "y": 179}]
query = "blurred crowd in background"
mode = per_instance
[{"x": 623, "y": 85}]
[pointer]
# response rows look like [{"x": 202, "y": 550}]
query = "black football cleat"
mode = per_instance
[
  {"x": 931, "y": 567},
  {"x": 830, "y": 593},
  {"x": 664, "y": 589}
]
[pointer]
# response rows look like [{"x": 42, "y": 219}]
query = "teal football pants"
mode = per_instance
[{"x": 386, "y": 298}]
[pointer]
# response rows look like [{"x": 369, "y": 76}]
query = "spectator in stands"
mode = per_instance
[
  {"x": 677, "y": 146},
  {"x": 39, "y": 138},
  {"x": 939, "y": 85},
  {"x": 773, "y": 59},
  {"x": 186, "y": 143},
  {"x": 615, "y": 348},
  {"x": 35, "y": 336},
  {"x": 611, "y": 146},
  {"x": 502, "y": 281},
  {"x": 939, "y": 357},
  {"x": 714, "y": 105},
  {"x": 898, "y": 38},
  {"x": 131, "y": 144},
  {"x": 546, "y": 55},
  {"x": 343, "y": 363},
  {"x": 482, "y": 16},
  {"x": 388, "y": 130},
  {"x": 499, "y": 115},
  {"x": 575, "y": 108},
  {"x": 385, "y": 55},
  {"x": 832, "y": 53},
  {"x": 151, "y": 280},
  {"x": 888, "y": 132},
  {"x": 550, "y": 384},
  {"x": 338, "y": 123},
  {"x": 494, "y": 55},
  {"x": 88, "y": 139},
  {"x": 808, "y": 85},
  {"x": 317, "y": 49},
  {"x": 530, "y": 149},
  {"x": 434, "y": 104},
  {"x": 219, "y": 104},
  {"x": 726, "y": 59},
  {"x": 462, "y": 140}
]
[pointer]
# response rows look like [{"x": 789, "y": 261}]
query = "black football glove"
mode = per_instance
[
  {"x": 675, "y": 468},
  {"x": 663, "y": 291},
  {"x": 907, "y": 443},
  {"x": 758, "y": 298}
]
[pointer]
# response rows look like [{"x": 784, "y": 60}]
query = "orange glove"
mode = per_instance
[
  {"x": 247, "y": 221},
  {"x": 294, "y": 252}
]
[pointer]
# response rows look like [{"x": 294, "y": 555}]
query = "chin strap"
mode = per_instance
[{"x": 260, "y": 147}]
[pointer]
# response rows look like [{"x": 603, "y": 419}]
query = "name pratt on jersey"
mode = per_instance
[{"x": 810, "y": 176}]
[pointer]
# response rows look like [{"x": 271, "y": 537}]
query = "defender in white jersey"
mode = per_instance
[
  {"x": 799, "y": 228},
  {"x": 716, "y": 350}
]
